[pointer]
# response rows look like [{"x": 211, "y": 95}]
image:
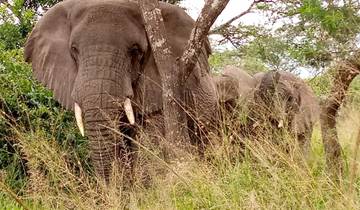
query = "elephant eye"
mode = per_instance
[
  {"x": 74, "y": 52},
  {"x": 74, "y": 48},
  {"x": 135, "y": 50}
]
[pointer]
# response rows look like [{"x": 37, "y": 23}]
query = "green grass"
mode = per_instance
[
  {"x": 7, "y": 203},
  {"x": 263, "y": 177}
]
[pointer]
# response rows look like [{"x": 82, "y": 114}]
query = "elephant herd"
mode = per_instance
[
  {"x": 96, "y": 57},
  {"x": 277, "y": 98}
]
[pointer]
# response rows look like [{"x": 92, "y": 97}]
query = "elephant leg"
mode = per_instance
[{"x": 202, "y": 119}]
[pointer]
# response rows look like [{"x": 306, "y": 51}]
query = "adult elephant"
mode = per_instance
[
  {"x": 287, "y": 102},
  {"x": 95, "y": 56}
]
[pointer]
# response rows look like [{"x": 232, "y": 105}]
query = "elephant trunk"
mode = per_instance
[
  {"x": 103, "y": 91},
  {"x": 104, "y": 142},
  {"x": 106, "y": 127}
]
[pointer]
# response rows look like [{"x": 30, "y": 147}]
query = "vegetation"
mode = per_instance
[
  {"x": 44, "y": 162},
  {"x": 265, "y": 176}
]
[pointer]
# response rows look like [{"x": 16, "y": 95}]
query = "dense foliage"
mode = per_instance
[
  {"x": 25, "y": 105},
  {"x": 306, "y": 34}
]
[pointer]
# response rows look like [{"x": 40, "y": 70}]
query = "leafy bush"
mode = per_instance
[{"x": 27, "y": 106}]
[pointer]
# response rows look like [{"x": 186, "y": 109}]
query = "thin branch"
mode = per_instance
[
  {"x": 228, "y": 23},
  {"x": 206, "y": 19}
]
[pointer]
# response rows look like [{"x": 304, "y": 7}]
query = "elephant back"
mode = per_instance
[{"x": 234, "y": 83}]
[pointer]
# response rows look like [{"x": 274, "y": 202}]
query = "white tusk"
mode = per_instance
[
  {"x": 78, "y": 117},
  {"x": 281, "y": 124},
  {"x": 129, "y": 111}
]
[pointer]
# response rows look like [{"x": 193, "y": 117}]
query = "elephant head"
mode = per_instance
[
  {"x": 95, "y": 56},
  {"x": 287, "y": 102},
  {"x": 234, "y": 85},
  {"x": 278, "y": 97}
]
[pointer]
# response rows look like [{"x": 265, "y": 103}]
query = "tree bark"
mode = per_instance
[
  {"x": 174, "y": 115},
  {"x": 344, "y": 75},
  {"x": 174, "y": 71},
  {"x": 206, "y": 19}
]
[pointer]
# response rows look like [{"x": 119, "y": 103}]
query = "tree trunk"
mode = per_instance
[
  {"x": 172, "y": 94},
  {"x": 345, "y": 73},
  {"x": 174, "y": 79}
]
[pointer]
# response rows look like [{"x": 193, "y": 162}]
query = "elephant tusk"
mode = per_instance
[
  {"x": 129, "y": 111},
  {"x": 281, "y": 124},
  {"x": 78, "y": 117}
]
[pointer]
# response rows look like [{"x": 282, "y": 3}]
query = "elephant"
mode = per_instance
[
  {"x": 276, "y": 97},
  {"x": 235, "y": 88},
  {"x": 287, "y": 102},
  {"x": 233, "y": 85},
  {"x": 96, "y": 58}
]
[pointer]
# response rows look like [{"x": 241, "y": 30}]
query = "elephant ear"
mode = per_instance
[
  {"x": 268, "y": 84},
  {"x": 227, "y": 87},
  {"x": 47, "y": 48},
  {"x": 178, "y": 29}
]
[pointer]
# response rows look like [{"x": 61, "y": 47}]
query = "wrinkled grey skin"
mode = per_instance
[
  {"x": 95, "y": 53},
  {"x": 287, "y": 98},
  {"x": 233, "y": 86}
]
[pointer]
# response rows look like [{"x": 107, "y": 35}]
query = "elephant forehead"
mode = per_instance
[
  {"x": 106, "y": 13},
  {"x": 227, "y": 87}
]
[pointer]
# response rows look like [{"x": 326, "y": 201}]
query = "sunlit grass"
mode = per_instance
[{"x": 261, "y": 176}]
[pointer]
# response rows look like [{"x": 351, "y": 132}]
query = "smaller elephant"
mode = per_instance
[
  {"x": 287, "y": 102},
  {"x": 234, "y": 86}
]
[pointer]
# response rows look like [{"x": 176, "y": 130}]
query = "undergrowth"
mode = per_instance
[{"x": 261, "y": 175}]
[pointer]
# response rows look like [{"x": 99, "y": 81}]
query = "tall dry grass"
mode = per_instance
[{"x": 236, "y": 173}]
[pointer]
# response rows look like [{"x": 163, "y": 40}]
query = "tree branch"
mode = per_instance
[
  {"x": 174, "y": 72},
  {"x": 174, "y": 116},
  {"x": 228, "y": 23},
  {"x": 344, "y": 75},
  {"x": 206, "y": 19}
]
